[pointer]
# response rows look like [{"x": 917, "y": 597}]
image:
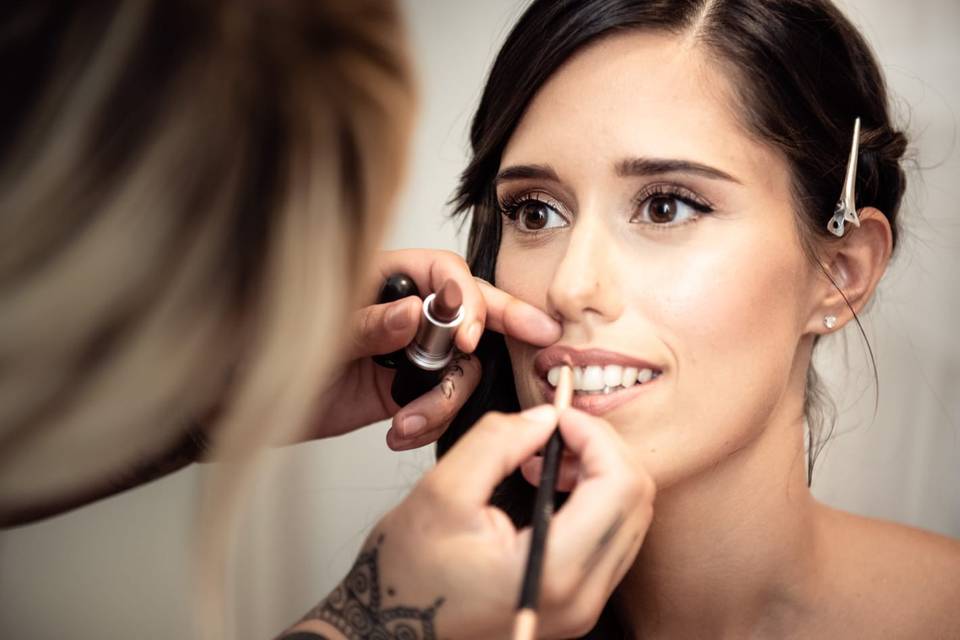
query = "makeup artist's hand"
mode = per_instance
[
  {"x": 361, "y": 395},
  {"x": 453, "y": 561}
]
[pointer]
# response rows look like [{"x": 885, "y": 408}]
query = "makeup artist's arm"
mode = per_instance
[
  {"x": 446, "y": 559},
  {"x": 361, "y": 395},
  {"x": 362, "y": 392}
]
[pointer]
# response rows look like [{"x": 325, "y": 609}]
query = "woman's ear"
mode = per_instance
[{"x": 854, "y": 263}]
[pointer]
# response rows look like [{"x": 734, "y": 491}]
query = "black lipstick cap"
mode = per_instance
[{"x": 396, "y": 287}]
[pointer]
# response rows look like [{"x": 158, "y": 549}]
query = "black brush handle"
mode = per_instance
[{"x": 542, "y": 513}]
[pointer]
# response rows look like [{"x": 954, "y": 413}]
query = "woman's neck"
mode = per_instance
[{"x": 732, "y": 551}]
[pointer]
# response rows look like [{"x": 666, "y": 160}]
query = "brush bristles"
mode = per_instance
[
  {"x": 525, "y": 625},
  {"x": 564, "y": 393}
]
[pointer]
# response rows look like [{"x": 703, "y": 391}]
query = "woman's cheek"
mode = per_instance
[
  {"x": 727, "y": 317},
  {"x": 733, "y": 293},
  {"x": 523, "y": 274}
]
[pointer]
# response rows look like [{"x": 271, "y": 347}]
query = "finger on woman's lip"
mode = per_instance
[
  {"x": 518, "y": 319},
  {"x": 531, "y": 325},
  {"x": 567, "y": 474}
]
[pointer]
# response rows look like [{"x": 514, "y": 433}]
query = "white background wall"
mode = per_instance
[{"x": 117, "y": 568}]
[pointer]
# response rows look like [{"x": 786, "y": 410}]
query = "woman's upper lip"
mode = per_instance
[{"x": 558, "y": 355}]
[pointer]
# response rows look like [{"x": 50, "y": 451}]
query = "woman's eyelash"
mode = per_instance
[{"x": 510, "y": 203}]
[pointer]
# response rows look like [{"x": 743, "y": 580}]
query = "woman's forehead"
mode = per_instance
[{"x": 639, "y": 94}]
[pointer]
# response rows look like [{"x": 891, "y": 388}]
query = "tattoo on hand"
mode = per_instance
[
  {"x": 447, "y": 387},
  {"x": 453, "y": 370},
  {"x": 355, "y": 607}
]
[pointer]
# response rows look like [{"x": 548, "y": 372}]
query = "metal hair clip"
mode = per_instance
[{"x": 846, "y": 209}]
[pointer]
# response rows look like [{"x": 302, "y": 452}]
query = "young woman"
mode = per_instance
[{"x": 661, "y": 176}]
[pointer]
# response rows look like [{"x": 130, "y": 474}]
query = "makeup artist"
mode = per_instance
[{"x": 191, "y": 200}]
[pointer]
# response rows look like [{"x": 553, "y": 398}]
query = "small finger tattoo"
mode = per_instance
[
  {"x": 453, "y": 370},
  {"x": 447, "y": 387}
]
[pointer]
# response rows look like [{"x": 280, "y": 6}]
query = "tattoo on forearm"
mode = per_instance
[
  {"x": 356, "y": 609},
  {"x": 603, "y": 543}
]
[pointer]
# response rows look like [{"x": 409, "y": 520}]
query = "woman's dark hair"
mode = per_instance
[{"x": 801, "y": 73}]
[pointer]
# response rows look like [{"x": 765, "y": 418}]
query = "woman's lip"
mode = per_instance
[
  {"x": 558, "y": 355},
  {"x": 599, "y": 403}
]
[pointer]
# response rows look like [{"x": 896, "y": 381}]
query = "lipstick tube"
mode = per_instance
[
  {"x": 420, "y": 367},
  {"x": 432, "y": 349}
]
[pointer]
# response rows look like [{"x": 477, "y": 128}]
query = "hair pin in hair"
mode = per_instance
[{"x": 846, "y": 209}]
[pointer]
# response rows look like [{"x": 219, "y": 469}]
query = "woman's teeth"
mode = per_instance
[{"x": 597, "y": 379}]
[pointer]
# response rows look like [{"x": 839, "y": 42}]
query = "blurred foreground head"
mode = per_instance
[{"x": 188, "y": 193}]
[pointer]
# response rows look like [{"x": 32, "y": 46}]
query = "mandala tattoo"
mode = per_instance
[{"x": 355, "y": 609}]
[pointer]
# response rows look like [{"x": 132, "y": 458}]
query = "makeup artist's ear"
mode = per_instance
[{"x": 854, "y": 263}]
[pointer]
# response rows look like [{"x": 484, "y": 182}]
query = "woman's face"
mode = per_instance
[{"x": 641, "y": 214}]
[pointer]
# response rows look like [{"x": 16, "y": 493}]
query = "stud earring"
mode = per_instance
[{"x": 830, "y": 321}]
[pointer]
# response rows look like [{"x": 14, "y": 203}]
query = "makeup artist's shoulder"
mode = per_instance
[{"x": 902, "y": 580}]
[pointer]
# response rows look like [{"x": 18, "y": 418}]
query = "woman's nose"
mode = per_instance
[{"x": 585, "y": 282}]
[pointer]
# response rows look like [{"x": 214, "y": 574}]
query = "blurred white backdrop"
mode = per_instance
[{"x": 118, "y": 567}]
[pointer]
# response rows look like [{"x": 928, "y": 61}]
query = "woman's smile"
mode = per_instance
[{"x": 602, "y": 379}]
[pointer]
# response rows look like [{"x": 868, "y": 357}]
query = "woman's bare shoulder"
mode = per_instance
[{"x": 902, "y": 579}]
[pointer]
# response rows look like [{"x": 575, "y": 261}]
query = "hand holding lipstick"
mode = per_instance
[{"x": 362, "y": 392}]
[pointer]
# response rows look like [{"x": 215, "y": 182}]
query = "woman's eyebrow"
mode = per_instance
[
  {"x": 655, "y": 166},
  {"x": 526, "y": 172}
]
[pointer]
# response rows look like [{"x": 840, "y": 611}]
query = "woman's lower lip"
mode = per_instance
[{"x": 599, "y": 403}]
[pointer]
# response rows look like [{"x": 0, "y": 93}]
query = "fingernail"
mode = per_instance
[
  {"x": 544, "y": 414},
  {"x": 411, "y": 426},
  {"x": 397, "y": 317},
  {"x": 394, "y": 440}
]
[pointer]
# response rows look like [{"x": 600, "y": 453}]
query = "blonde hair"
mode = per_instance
[{"x": 189, "y": 193}]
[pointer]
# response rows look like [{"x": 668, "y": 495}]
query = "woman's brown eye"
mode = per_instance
[
  {"x": 534, "y": 216},
  {"x": 663, "y": 208}
]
